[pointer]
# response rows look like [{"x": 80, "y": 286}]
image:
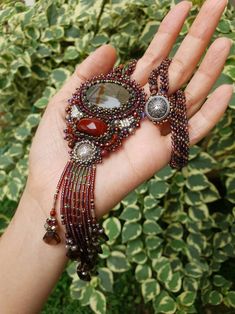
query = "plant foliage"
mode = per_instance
[{"x": 172, "y": 240}]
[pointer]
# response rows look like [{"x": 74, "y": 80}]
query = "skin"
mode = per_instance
[{"x": 29, "y": 267}]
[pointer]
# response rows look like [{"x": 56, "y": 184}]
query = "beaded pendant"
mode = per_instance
[{"x": 100, "y": 115}]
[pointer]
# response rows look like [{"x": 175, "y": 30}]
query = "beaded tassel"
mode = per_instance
[
  {"x": 83, "y": 233},
  {"x": 51, "y": 236}
]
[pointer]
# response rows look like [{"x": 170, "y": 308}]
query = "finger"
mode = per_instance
[
  {"x": 194, "y": 44},
  {"x": 210, "y": 113},
  {"x": 100, "y": 61},
  {"x": 162, "y": 42},
  {"x": 207, "y": 74},
  {"x": 207, "y": 117},
  {"x": 203, "y": 80}
]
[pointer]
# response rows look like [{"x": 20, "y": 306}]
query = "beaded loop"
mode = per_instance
[
  {"x": 158, "y": 80},
  {"x": 177, "y": 116},
  {"x": 179, "y": 132}
]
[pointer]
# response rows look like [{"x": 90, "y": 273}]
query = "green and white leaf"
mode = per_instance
[
  {"x": 106, "y": 279},
  {"x": 131, "y": 231},
  {"x": 174, "y": 285},
  {"x": 134, "y": 246},
  {"x": 112, "y": 227},
  {"x": 131, "y": 213},
  {"x": 117, "y": 262},
  {"x": 151, "y": 227},
  {"x": 163, "y": 303},
  {"x": 187, "y": 298},
  {"x": 143, "y": 272},
  {"x": 98, "y": 302},
  {"x": 150, "y": 288}
]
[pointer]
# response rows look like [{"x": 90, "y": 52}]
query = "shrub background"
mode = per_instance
[{"x": 172, "y": 240}]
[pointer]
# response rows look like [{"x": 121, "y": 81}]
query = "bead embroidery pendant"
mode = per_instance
[
  {"x": 105, "y": 110},
  {"x": 101, "y": 114}
]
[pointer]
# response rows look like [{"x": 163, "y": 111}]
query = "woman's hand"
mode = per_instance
[
  {"x": 29, "y": 267},
  {"x": 148, "y": 150}
]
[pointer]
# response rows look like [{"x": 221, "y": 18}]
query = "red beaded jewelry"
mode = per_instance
[{"x": 102, "y": 112}]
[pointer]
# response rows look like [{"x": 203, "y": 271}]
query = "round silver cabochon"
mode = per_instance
[
  {"x": 84, "y": 152},
  {"x": 157, "y": 108}
]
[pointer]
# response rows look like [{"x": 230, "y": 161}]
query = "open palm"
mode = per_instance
[{"x": 148, "y": 150}]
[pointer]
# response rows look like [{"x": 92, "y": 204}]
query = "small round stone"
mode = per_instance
[{"x": 157, "y": 108}]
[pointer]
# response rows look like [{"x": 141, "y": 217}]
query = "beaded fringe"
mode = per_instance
[{"x": 83, "y": 235}]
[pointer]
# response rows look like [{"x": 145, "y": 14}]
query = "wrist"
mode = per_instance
[
  {"x": 36, "y": 211},
  {"x": 26, "y": 262}
]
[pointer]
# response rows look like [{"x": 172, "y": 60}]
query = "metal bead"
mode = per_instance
[
  {"x": 74, "y": 248},
  {"x": 46, "y": 226},
  {"x": 131, "y": 130},
  {"x": 157, "y": 108}
]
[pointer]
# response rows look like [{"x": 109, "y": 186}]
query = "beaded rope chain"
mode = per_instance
[
  {"x": 161, "y": 108},
  {"x": 100, "y": 115}
]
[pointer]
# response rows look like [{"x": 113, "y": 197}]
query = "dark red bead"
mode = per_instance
[
  {"x": 71, "y": 144},
  {"x": 92, "y": 126},
  {"x": 104, "y": 153},
  {"x": 70, "y": 129},
  {"x": 53, "y": 212},
  {"x": 113, "y": 140}
]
